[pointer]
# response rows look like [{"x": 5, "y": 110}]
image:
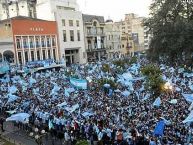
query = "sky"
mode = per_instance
[{"x": 114, "y": 9}]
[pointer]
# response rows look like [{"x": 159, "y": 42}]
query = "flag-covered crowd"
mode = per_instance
[{"x": 80, "y": 108}]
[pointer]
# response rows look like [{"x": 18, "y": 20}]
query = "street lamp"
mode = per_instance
[
  {"x": 37, "y": 135},
  {"x": 168, "y": 86}
]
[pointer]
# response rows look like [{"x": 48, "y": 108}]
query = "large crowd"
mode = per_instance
[{"x": 125, "y": 116}]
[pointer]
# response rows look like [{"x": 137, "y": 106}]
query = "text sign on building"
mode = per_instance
[{"x": 36, "y": 29}]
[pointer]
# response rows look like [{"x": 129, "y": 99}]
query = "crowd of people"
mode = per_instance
[{"x": 99, "y": 114}]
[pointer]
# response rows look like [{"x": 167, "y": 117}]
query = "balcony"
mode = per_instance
[
  {"x": 95, "y": 48},
  {"x": 95, "y": 32}
]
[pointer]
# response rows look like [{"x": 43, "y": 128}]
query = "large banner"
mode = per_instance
[
  {"x": 98, "y": 42},
  {"x": 79, "y": 83}
]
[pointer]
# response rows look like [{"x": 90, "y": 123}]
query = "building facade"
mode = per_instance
[
  {"x": 35, "y": 40},
  {"x": 133, "y": 36},
  {"x": 70, "y": 28},
  {"x": 94, "y": 31},
  {"x": 14, "y": 8},
  {"x": 113, "y": 39}
]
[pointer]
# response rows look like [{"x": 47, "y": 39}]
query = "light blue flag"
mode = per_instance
[
  {"x": 178, "y": 89},
  {"x": 32, "y": 81},
  {"x": 12, "y": 89},
  {"x": 126, "y": 93},
  {"x": 66, "y": 93},
  {"x": 79, "y": 83},
  {"x": 157, "y": 102},
  {"x": 21, "y": 117},
  {"x": 189, "y": 118},
  {"x": 12, "y": 98},
  {"x": 188, "y": 97},
  {"x": 55, "y": 89},
  {"x": 62, "y": 104},
  {"x": 191, "y": 87}
]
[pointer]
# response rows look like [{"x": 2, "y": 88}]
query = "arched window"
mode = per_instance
[{"x": 18, "y": 43}]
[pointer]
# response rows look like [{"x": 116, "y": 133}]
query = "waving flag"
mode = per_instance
[
  {"x": 32, "y": 81},
  {"x": 79, "y": 83},
  {"x": 189, "y": 118},
  {"x": 188, "y": 97},
  {"x": 12, "y": 98},
  {"x": 157, "y": 102},
  {"x": 159, "y": 129},
  {"x": 21, "y": 117},
  {"x": 12, "y": 89}
]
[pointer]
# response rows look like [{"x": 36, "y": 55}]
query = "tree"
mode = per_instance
[
  {"x": 154, "y": 82},
  {"x": 171, "y": 25}
]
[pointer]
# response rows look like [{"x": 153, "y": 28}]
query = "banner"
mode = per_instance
[
  {"x": 159, "y": 129},
  {"x": 79, "y": 83}
]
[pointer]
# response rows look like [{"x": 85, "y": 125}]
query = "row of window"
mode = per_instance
[
  {"x": 38, "y": 42},
  {"x": 113, "y": 37},
  {"x": 38, "y": 54},
  {"x": 70, "y": 23},
  {"x": 71, "y": 35}
]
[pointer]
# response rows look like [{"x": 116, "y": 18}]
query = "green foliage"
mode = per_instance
[
  {"x": 82, "y": 142},
  {"x": 151, "y": 70},
  {"x": 119, "y": 63},
  {"x": 127, "y": 61},
  {"x": 154, "y": 81},
  {"x": 105, "y": 68},
  {"x": 101, "y": 83},
  {"x": 171, "y": 25}
]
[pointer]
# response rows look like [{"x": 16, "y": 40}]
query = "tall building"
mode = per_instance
[
  {"x": 70, "y": 27},
  {"x": 13, "y": 8},
  {"x": 35, "y": 40},
  {"x": 113, "y": 39},
  {"x": 94, "y": 37},
  {"x": 133, "y": 34}
]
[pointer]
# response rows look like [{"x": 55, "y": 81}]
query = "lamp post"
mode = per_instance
[
  {"x": 38, "y": 135},
  {"x": 168, "y": 86}
]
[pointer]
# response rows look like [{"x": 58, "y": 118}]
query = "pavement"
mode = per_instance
[{"x": 18, "y": 137}]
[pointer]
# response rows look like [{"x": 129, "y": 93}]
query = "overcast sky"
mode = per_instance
[{"x": 115, "y": 9}]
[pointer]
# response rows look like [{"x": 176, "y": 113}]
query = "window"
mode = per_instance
[
  {"x": 54, "y": 54},
  {"x": 26, "y": 56},
  {"x": 64, "y": 35},
  {"x": 78, "y": 35},
  {"x": 48, "y": 42},
  {"x": 122, "y": 46},
  {"x": 43, "y": 43},
  {"x": 25, "y": 43},
  {"x": 70, "y": 23},
  {"x": 37, "y": 43},
  {"x": 63, "y": 22},
  {"x": 18, "y": 43},
  {"x": 32, "y": 56},
  {"x": 49, "y": 54},
  {"x": 71, "y": 35},
  {"x": 38, "y": 55},
  {"x": 44, "y": 54},
  {"x": 77, "y": 23},
  {"x": 20, "y": 57},
  {"x": 31, "y": 43},
  {"x": 53, "y": 41}
]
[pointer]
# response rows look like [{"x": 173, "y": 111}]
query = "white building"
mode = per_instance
[
  {"x": 13, "y": 8},
  {"x": 113, "y": 39},
  {"x": 70, "y": 27}
]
